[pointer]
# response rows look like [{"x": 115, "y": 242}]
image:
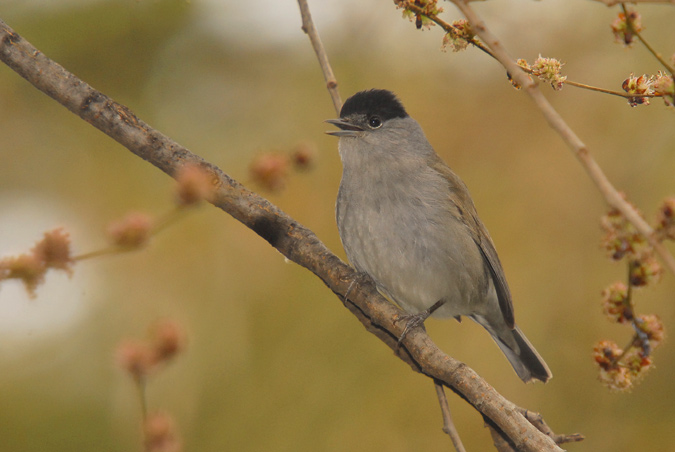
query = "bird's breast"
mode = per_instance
[{"x": 404, "y": 232}]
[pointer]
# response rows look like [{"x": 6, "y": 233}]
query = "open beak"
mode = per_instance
[{"x": 347, "y": 129}]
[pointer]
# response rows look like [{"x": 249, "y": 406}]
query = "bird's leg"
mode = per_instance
[{"x": 415, "y": 320}]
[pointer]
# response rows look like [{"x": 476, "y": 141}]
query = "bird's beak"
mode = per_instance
[{"x": 347, "y": 129}]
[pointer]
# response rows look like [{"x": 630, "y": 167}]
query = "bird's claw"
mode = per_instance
[
  {"x": 359, "y": 277},
  {"x": 412, "y": 321}
]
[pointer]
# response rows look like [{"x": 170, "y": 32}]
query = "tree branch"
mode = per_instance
[
  {"x": 448, "y": 424},
  {"x": 285, "y": 234},
  {"x": 636, "y": 32},
  {"x": 309, "y": 28},
  {"x": 449, "y": 28},
  {"x": 578, "y": 147}
]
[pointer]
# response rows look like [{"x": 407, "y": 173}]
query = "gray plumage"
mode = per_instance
[{"x": 409, "y": 222}]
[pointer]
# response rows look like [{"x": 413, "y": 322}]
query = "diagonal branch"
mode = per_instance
[
  {"x": 636, "y": 32},
  {"x": 285, "y": 234},
  {"x": 612, "y": 196}
]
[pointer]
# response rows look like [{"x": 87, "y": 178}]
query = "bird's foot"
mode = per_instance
[
  {"x": 412, "y": 321},
  {"x": 359, "y": 277},
  {"x": 415, "y": 320}
]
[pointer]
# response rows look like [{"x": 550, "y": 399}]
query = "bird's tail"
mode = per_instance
[{"x": 524, "y": 358}]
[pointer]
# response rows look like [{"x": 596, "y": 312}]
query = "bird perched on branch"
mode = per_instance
[{"x": 407, "y": 220}]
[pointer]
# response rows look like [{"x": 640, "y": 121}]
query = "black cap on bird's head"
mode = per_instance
[
  {"x": 378, "y": 102},
  {"x": 367, "y": 108}
]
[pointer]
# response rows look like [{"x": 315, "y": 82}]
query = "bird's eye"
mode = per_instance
[{"x": 374, "y": 122}]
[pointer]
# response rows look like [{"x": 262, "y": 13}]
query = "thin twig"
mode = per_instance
[
  {"x": 608, "y": 91},
  {"x": 448, "y": 424},
  {"x": 142, "y": 399},
  {"x": 581, "y": 151},
  {"x": 449, "y": 28},
  {"x": 309, "y": 28},
  {"x": 501, "y": 444},
  {"x": 161, "y": 224},
  {"x": 169, "y": 219},
  {"x": 640, "y": 336},
  {"x": 633, "y": 29},
  {"x": 538, "y": 421},
  {"x": 102, "y": 252}
]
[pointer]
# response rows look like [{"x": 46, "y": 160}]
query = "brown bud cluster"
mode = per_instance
[
  {"x": 606, "y": 353},
  {"x": 663, "y": 86},
  {"x": 132, "y": 231},
  {"x": 303, "y": 155},
  {"x": 620, "y": 369},
  {"x": 142, "y": 358},
  {"x": 652, "y": 326},
  {"x": 549, "y": 70},
  {"x": 640, "y": 86},
  {"x": 160, "y": 434},
  {"x": 460, "y": 38},
  {"x": 525, "y": 65},
  {"x": 271, "y": 170},
  {"x": 53, "y": 251},
  {"x": 665, "y": 219},
  {"x": 615, "y": 303},
  {"x": 194, "y": 184},
  {"x": 645, "y": 270},
  {"x": 623, "y": 32},
  {"x": 418, "y": 11},
  {"x": 621, "y": 239}
]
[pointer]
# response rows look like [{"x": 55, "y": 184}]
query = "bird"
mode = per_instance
[{"x": 408, "y": 221}]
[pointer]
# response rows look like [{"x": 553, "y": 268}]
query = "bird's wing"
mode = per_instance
[
  {"x": 460, "y": 196},
  {"x": 489, "y": 253}
]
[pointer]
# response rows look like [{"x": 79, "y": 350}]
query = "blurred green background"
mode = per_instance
[{"x": 274, "y": 361}]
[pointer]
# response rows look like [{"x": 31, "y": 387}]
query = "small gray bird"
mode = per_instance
[{"x": 409, "y": 222}]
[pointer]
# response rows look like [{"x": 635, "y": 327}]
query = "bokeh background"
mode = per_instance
[{"x": 274, "y": 362}]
